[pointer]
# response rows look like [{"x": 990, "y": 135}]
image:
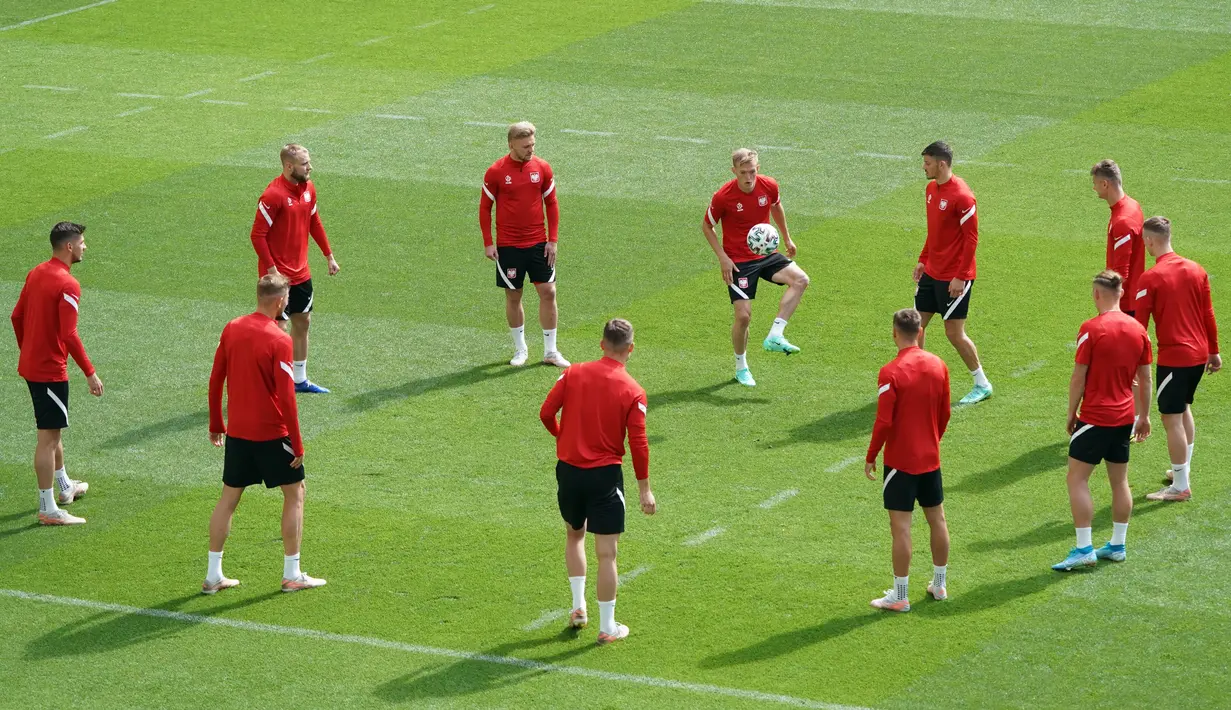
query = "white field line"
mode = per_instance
[
  {"x": 490, "y": 124},
  {"x": 398, "y": 117},
  {"x": 195, "y": 94},
  {"x": 55, "y": 15},
  {"x": 882, "y": 156},
  {"x": 258, "y": 77},
  {"x": 356, "y": 640},
  {"x": 550, "y": 616},
  {"x": 788, "y": 148},
  {"x": 1204, "y": 181},
  {"x": 6, "y": 150},
  {"x": 482, "y": 8},
  {"x": 42, "y": 87},
  {"x": 219, "y": 102},
  {"x": 985, "y": 163},
  {"x": 681, "y": 139},
  {"x": 317, "y": 58},
  {"x": 1027, "y": 369},
  {"x": 374, "y": 40},
  {"x": 66, "y": 132},
  {"x": 843, "y": 464},
  {"x": 301, "y": 109},
  {"x": 579, "y": 132},
  {"x": 134, "y": 112},
  {"x": 129, "y": 95},
  {"x": 426, "y": 25},
  {"x": 704, "y": 537},
  {"x": 778, "y": 498}
]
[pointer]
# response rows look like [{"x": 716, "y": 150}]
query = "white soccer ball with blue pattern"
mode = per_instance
[{"x": 763, "y": 239}]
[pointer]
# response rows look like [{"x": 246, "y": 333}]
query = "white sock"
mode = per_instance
[
  {"x": 900, "y": 588},
  {"x": 549, "y": 341},
  {"x": 777, "y": 328},
  {"x": 1118, "y": 532},
  {"x": 299, "y": 371},
  {"x": 519, "y": 338},
  {"x": 213, "y": 573},
  {"x": 1180, "y": 473},
  {"x": 578, "y": 585},
  {"x": 47, "y": 500},
  {"x": 1084, "y": 538},
  {"x": 980, "y": 378},
  {"x": 741, "y": 361},
  {"x": 938, "y": 575},
  {"x": 290, "y": 566},
  {"x": 62, "y": 479},
  {"x": 606, "y": 617},
  {"x": 1190, "y": 455}
]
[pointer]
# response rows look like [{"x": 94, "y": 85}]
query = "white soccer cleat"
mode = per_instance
[
  {"x": 519, "y": 358},
  {"x": 555, "y": 359},
  {"x": 577, "y": 619},
  {"x": 938, "y": 593},
  {"x": 69, "y": 495},
  {"x": 621, "y": 632},
  {"x": 60, "y": 517},
  {"x": 301, "y": 583},
  {"x": 208, "y": 587}
]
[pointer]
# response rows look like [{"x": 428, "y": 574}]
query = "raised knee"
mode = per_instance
[{"x": 803, "y": 281}]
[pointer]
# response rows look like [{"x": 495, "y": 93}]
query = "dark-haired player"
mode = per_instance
[
  {"x": 45, "y": 322},
  {"x": 1126, "y": 254},
  {"x": 946, "y": 269}
]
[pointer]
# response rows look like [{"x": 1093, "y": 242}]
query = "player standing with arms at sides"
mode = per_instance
[
  {"x": 45, "y": 322},
  {"x": 601, "y": 404},
  {"x": 748, "y": 200},
  {"x": 946, "y": 269},
  {"x": 1176, "y": 291},
  {"x": 261, "y": 434},
  {"x": 912, "y": 413},
  {"x": 1126, "y": 253},
  {"x": 521, "y": 185},
  {"x": 285, "y": 215},
  {"x": 1112, "y": 351}
]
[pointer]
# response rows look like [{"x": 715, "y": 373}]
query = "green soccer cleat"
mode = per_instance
[
  {"x": 978, "y": 394},
  {"x": 779, "y": 344},
  {"x": 744, "y": 377}
]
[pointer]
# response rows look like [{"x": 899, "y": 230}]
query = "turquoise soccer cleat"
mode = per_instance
[
  {"x": 744, "y": 377},
  {"x": 1115, "y": 553},
  {"x": 978, "y": 394},
  {"x": 779, "y": 344},
  {"x": 1078, "y": 557}
]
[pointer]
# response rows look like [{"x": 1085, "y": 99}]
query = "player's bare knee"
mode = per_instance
[
  {"x": 802, "y": 281},
  {"x": 547, "y": 292}
]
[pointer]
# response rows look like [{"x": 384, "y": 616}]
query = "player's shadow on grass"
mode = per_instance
[
  {"x": 1057, "y": 532},
  {"x": 110, "y": 631},
  {"x": 981, "y": 598},
  {"x": 1050, "y": 457},
  {"x": 142, "y": 435},
  {"x": 475, "y": 675},
  {"x": 708, "y": 394},
  {"x": 375, "y": 398},
  {"x": 24, "y": 528},
  {"x": 831, "y": 429}
]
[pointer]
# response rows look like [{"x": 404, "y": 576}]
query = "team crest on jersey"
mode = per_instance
[
  {"x": 307, "y": 196},
  {"x": 762, "y": 201},
  {"x": 929, "y": 199},
  {"x": 739, "y": 206},
  {"x": 944, "y": 204},
  {"x": 511, "y": 273},
  {"x": 534, "y": 177},
  {"x": 743, "y": 282},
  {"x": 289, "y": 202},
  {"x": 508, "y": 179}
]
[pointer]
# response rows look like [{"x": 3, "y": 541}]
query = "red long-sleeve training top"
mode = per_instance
[
  {"x": 254, "y": 359},
  {"x": 45, "y": 323},
  {"x": 601, "y": 404},
  {"x": 912, "y": 412},
  {"x": 1176, "y": 291},
  {"x": 521, "y": 191},
  {"x": 285, "y": 215}
]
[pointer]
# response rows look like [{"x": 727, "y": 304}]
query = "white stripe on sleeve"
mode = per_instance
[
  {"x": 968, "y": 215},
  {"x": 489, "y": 194},
  {"x": 265, "y": 213},
  {"x": 287, "y": 367},
  {"x": 1141, "y": 293},
  {"x": 1121, "y": 242},
  {"x": 72, "y": 302},
  {"x": 1084, "y": 337},
  {"x": 550, "y": 188},
  {"x": 883, "y": 389}
]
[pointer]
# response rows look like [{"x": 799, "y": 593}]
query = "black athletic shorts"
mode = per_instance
[
  {"x": 247, "y": 463},
  {"x": 50, "y": 404},
  {"x": 902, "y": 489},
  {"x": 748, "y": 273},
  {"x": 299, "y": 300},
  {"x": 513, "y": 264},
  {"x": 592, "y": 498},
  {"x": 1176, "y": 387},
  {"x": 1094, "y": 444},
  {"x": 932, "y": 296}
]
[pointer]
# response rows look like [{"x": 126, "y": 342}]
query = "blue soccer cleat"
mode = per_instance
[
  {"x": 1108, "y": 551},
  {"x": 779, "y": 344},
  {"x": 978, "y": 394},
  {"x": 1078, "y": 557},
  {"x": 309, "y": 387},
  {"x": 744, "y": 377}
]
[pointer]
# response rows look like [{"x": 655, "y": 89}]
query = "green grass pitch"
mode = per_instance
[{"x": 431, "y": 503}]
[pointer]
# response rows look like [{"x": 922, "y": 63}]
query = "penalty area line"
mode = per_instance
[
  {"x": 372, "y": 642},
  {"x": 55, "y": 15}
]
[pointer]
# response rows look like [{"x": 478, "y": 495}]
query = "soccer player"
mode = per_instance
[
  {"x": 261, "y": 434},
  {"x": 521, "y": 185},
  {"x": 285, "y": 215},
  {"x": 1176, "y": 291},
  {"x": 1112, "y": 351},
  {"x": 1126, "y": 254},
  {"x": 946, "y": 269},
  {"x": 742, "y": 203},
  {"x": 601, "y": 405},
  {"x": 912, "y": 412},
  {"x": 45, "y": 322}
]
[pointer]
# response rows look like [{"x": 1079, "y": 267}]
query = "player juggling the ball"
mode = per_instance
[
  {"x": 744, "y": 206},
  {"x": 1106, "y": 411},
  {"x": 912, "y": 412},
  {"x": 599, "y": 404}
]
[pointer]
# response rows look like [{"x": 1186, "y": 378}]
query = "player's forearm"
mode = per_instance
[
  {"x": 880, "y": 432},
  {"x": 317, "y": 230},
  {"x": 553, "y": 219},
  {"x": 18, "y": 328},
  {"x": 712, "y": 237},
  {"x": 1144, "y": 392},
  {"x": 264, "y": 256},
  {"x": 1077, "y": 389},
  {"x": 485, "y": 222},
  {"x": 779, "y": 215}
]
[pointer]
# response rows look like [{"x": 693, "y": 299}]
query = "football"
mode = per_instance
[{"x": 763, "y": 239}]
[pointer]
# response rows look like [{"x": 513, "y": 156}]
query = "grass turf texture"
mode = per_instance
[{"x": 431, "y": 507}]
